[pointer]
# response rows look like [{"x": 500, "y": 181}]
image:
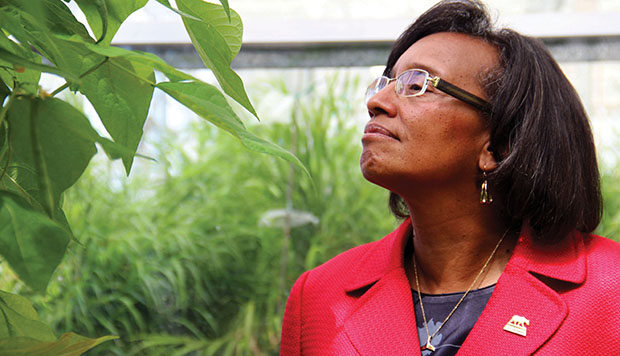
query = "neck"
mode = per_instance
[{"x": 453, "y": 240}]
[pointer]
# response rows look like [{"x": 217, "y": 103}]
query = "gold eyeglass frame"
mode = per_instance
[{"x": 436, "y": 82}]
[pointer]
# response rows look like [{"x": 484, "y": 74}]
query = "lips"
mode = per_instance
[{"x": 376, "y": 129}]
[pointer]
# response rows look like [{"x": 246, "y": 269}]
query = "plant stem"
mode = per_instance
[
  {"x": 289, "y": 206},
  {"x": 6, "y": 107},
  {"x": 67, "y": 84}
]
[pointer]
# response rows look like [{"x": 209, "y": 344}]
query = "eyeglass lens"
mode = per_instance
[{"x": 409, "y": 83}]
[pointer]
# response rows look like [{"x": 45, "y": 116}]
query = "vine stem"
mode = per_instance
[{"x": 67, "y": 84}]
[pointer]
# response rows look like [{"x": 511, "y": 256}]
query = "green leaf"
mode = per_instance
[
  {"x": 21, "y": 332},
  {"x": 28, "y": 79},
  {"x": 96, "y": 13},
  {"x": 217, "y": 41},
  {"x": 29, "y": 30},
  {"x": 20, "y": 319},
  {"x": 54, "y": 16},
  {"x": 226, "y": 8},
  {"x": 207, "y": 101},
  {"x": 69, "y": 344},
  {"x": 166, "y": 3},
  {"x": 121, "y": 92},
  {"x": 144, "y": 58},
  {"x": 37, "y": 23},
  {"x": 20, "y": 61},
  {"x": 106, "y": 16},
  {"x": 31, "y": 242},
  {"x": 214, "y": 16},
  {"x": 58, "y": 137}
]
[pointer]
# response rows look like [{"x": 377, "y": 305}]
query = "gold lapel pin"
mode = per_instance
[{"x": 517, "y": 325}]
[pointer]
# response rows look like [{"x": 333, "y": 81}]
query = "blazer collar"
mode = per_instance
[
  {"x": 386, "y": 255},
  {"x": 562, "y": 261}
]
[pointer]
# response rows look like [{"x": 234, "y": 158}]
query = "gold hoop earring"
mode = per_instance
[{"x": 485, "y": 196}]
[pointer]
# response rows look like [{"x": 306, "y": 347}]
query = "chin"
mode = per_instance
[{"x": 373, "y": 173}]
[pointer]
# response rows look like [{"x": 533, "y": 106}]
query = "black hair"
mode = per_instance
[{"x": 547, "y": 174}]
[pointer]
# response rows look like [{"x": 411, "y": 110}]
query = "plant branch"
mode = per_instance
[
  {"x": 153, "y": 84},
  {"x": 67, "y": 84}
]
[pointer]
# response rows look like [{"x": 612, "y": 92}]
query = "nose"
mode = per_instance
[{"x": 383, "y": 102}]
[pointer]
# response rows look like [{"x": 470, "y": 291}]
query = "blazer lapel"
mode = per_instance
[
  {"x": 382, "y": 320},
  {"x": 520, "y": 294},
  {"x": 522, "y": 291}
]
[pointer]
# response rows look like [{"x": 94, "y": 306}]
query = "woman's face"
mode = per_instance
[{"x": 432, "y": 139}]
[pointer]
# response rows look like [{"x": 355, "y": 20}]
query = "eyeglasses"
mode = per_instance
[{"x": 413, "y": 82}]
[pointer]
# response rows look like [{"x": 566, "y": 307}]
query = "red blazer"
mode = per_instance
[{"x": 359, "y": 302}]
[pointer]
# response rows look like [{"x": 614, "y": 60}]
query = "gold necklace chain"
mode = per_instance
[{"x": 428, "y": 345}]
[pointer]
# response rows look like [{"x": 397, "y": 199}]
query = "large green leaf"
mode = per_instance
[
  {"x": 106, "y": 16},
  {"x": 20, "y": 319},
  {"x": 217, "y": 41},
  {"x": 51, "y": 144},
  {"x": 31, "y": 242},
  {"x": 214, "y": 16},
  {"x": 121, "y": 92},
  {"x": 21, "y": 332},
  {"x": 69, "y": 344},
  {"x": 208, "y": 102}
]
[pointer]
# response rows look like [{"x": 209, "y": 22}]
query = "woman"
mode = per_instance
[{"x": 488, "y": 154}]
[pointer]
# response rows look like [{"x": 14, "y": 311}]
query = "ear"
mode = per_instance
[{"x": 486, "y": 161}]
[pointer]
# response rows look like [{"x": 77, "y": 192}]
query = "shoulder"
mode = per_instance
[
  {"x": 354, "y": 268},
  {"x": 308, "y": 304},
  {"x": 601, "y": 249},
  {"x": 338, "y": 270},
  {"x": 603, "y": 259}
]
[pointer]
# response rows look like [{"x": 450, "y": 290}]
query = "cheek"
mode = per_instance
[{"x": 443, "y": 139}]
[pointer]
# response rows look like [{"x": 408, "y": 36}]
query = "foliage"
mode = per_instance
[
  {"x": 610, "y": 185},
  {"x": 188, "y": 263},
  {"x": 46, "y": 143}
]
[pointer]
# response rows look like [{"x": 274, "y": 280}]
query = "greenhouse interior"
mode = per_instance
[{"x": 195, "y": 251}]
